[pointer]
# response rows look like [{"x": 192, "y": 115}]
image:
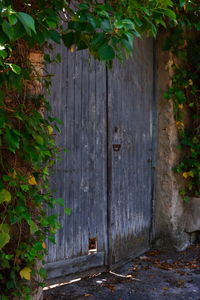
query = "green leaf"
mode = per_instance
[
  {"x": 39, "y": 139},
  {"x": 69, "y": 39},
  {"x": 186, "y": 199},
  {"x": 43, "y": 273},
  {"x": 103, "y": 13},
  {"x": 27, "y": 21},
  {"x": 7, "y": 29},
  {"x": 118, "y": 24},
  {"x": 127, "y": 45},
  {"x": 106, "y": 52},
  {"x": 16, "y": 69},
  {"x": 105, "y": 25},
  {"x": 98, "y": 41},
  {"x": 162, "y": 23},
  {"x": 12, "y": 19},
  {"x": 3, "y": 54},
  {"x": 4, "y": 239},
  {"x": 182, "y": 3},
  {"x": 60, "y": 201},
  {"x": 55, "y": 36},
  {"x": 4, "y": 235},
  {"x": 170, "y": 14},
  {"x": 24, "y": 187},
  {"x": 19, "y": 31},
  {"x": 138, "y": 22},
  {"x": 12, "y": 139},
  {"x": 68, "y": 211},
  {"x": 4, "y": 228},
  {"x": 5, "y": 196},
  {"x": 33, "y": 227},
  {"x": 83, "y": 6}
]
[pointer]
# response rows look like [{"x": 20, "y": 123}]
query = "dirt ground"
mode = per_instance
[{"x": 158, "y": 274}]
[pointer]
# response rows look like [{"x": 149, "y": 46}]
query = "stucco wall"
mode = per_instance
[{"x": 169, "y": 206}]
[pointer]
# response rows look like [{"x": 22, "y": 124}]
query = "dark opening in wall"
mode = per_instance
[{"x": 92, "y": 245}]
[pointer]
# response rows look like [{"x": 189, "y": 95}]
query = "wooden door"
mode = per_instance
[
  {"x": 106, "y": 175},
  {"x": 80, "y": 178},
  {"x": 130, "y": 153}
]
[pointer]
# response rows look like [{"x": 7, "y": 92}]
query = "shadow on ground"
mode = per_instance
[{"x": 158, "y": 274}]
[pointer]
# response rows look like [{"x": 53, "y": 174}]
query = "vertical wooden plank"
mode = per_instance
[{"x": 130, "y": 140}]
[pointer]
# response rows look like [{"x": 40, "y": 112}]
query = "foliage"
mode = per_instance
[
  {"x": 27, "y": 147},
  {"x": 184, "y": 42}
]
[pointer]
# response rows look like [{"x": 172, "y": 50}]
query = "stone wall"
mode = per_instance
[{"x": 169, "y": 206}]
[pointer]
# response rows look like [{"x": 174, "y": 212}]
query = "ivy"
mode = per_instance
[
  {"x": 27, "y": 146},
  {"x": 184, "y": 42}
]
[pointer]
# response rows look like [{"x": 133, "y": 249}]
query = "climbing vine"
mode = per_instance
[
  {"x": 184, "y": 43},
  {"x": 27, "y": 146}
]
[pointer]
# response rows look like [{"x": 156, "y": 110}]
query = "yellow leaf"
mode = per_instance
[
  {"x": 180, "y": 124},
  {"x": 14, "y": 174},
  {"x": 32, "y": 180},
  {"x": 190, "y": 82},
  {"x": 25, "y": 273},
  {"x": 50, "y": 130},
  {"x": 185, "y": 175},
  {"x": 71, "y": 49},
  {"x": 43, "y": 245},
  {"x": 180, "y": 106}
]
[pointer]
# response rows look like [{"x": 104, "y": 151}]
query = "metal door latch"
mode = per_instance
[{"x": 116, "y": 147}]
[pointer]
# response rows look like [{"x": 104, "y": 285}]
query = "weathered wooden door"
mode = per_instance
[
  {"x": 106, "y": 176},
  {"x": 130, "y": 124}
]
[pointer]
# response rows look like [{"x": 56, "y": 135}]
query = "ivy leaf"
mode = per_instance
[
  {"x": 4, "y": 239},
  {"x": 60, "y": 201},
  {"x": 39, "y": 139},
  {"x": 33, "y": 227},
  {"x": 24, "y": 187},
  {"x": 5, "y": 196},
  {"x": 25, "y": 273},
  {"x": 12, "y": 139},
  {"x": 106, "y": 52},
  {"x": 27, "y": 21},
  {"x": 68, "y": 211},
  {"x": 4, "y": 235}
]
